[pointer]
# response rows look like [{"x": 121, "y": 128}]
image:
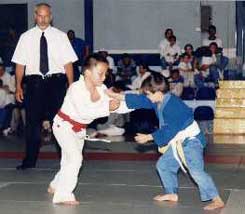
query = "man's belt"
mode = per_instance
[
  {"x": 44, "y": 77},
  {"x": 76, "y": 126}
]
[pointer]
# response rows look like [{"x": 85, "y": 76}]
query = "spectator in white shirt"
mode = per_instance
[
  {"x": 186, "y": 70},
  {"x": 8, "y": 85},
  {"x": 210, "y": 68},
  {"x": 110, "y": 75},
  {"x": 176, "y": 83},
  {"x": 165, "y": 42},
  {"x": 189, "y": 50},
  {"x": 143, "y": 73},
  {"x": 110, "y": 60},
  {"x": 47, "y": 56},
  {"x": 171, "y": 53},
  {"x": 212, "y": 37}
]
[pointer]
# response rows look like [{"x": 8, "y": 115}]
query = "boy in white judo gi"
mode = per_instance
[{"x": 85, "y": 101}]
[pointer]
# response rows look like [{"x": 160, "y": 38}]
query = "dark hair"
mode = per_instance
[
  {"x": 174, "y": 71},
  {"x": 125, "y": 55},
  {"x": 172, "y": 37},
  {"x": 214, "y": 43},
  {"x": 155, "y": 82},
  {"x": 188, "y": 45},
  {"x": 167, "y": 30},
  {"x": 71, "y": 31},
  {"x": 1, "y": 83},
  {"x": 211, "y": 27},
  {"x": 93, "y": 59},
  {"x": 184, "y": 55},
  {"x": 144, "y": 65}
]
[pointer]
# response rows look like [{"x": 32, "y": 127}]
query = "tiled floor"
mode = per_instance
[
  {"x": 116, "y": 187},
  {"x": 113, "y": 187}
]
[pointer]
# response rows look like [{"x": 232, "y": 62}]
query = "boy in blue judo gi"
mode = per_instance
[{"x": 178, "y": 138}]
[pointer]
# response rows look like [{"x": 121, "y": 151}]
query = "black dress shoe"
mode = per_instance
[{"x": 24, "y": 167}]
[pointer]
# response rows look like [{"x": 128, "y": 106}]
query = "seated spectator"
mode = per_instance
[
  {"x": 8, "y": 98},
  {"x": 170, "y": 54},
  {"x": 186, "y": 70},
  {"x": 8, "y": 84},
  {"x": 126, "y": 69},
  {"x": 165, "y": 42},
  {"x": 105, "y": 54},
  {"x": 6, "y": 108},
  {"x": 189, "y": 50},
  {"x": 176, "y": 83},
  {"x": 81, "y": 49},
  {"x": 9, "y": 45},
  {"x": 210, "y": 68},
  {"x": 143, "y": 73},
  {"x": 212, "y": 37},
  {"x": 110, "y": 75}
]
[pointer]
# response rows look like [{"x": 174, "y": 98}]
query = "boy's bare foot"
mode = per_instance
[
  {"x": 166, "y": 197},
  {"x": 50, "y": 190},
  {"x": 69, "y": 203},
  {"x": 215, "y": 204}
]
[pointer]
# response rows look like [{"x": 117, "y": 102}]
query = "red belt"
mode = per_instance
[{"x": 76, "y": 126}]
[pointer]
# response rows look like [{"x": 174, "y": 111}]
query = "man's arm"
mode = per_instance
[
  {"x": 19, "y": 74},
  {"x": 69, "y": 73}
]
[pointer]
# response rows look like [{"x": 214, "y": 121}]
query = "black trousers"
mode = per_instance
[{"x": 43, "y": 98}]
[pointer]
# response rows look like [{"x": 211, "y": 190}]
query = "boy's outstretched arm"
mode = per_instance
[{"x": 133, "y": 101}]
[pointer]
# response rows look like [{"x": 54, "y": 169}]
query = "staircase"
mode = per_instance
[{"x": 229, "y": 122}]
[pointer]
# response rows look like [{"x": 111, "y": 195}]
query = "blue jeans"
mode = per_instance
[
  {"x": 213, "y": 77},
  {"x": 168, "y": 168}
]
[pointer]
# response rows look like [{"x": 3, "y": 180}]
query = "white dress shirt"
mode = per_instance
[{"x": 60, "y": 51}]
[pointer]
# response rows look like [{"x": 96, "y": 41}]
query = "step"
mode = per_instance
[
  {"x": 228, "y": 139},
  {"x": 229, "y": 126},
  {"x": 238, "y": 93},
  {"x": 224, "y": 102},
  {"x": 232, "y": 84},
  {"x": 229, "y": 112}
]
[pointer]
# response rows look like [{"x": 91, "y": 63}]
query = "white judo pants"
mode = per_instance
[{"x": 71, "y": 144}]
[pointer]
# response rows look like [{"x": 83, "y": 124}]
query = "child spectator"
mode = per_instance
[
  {"x": 189, "y": 50},
  {"x": 143, "y": 73},
  {"x": 186, "y": 70},
  {"x": 126, "y": 69},
  {"x": 176, "y": 83}
]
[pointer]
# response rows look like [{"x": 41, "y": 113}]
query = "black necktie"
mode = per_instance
[{"x": 43, "y": 55}]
